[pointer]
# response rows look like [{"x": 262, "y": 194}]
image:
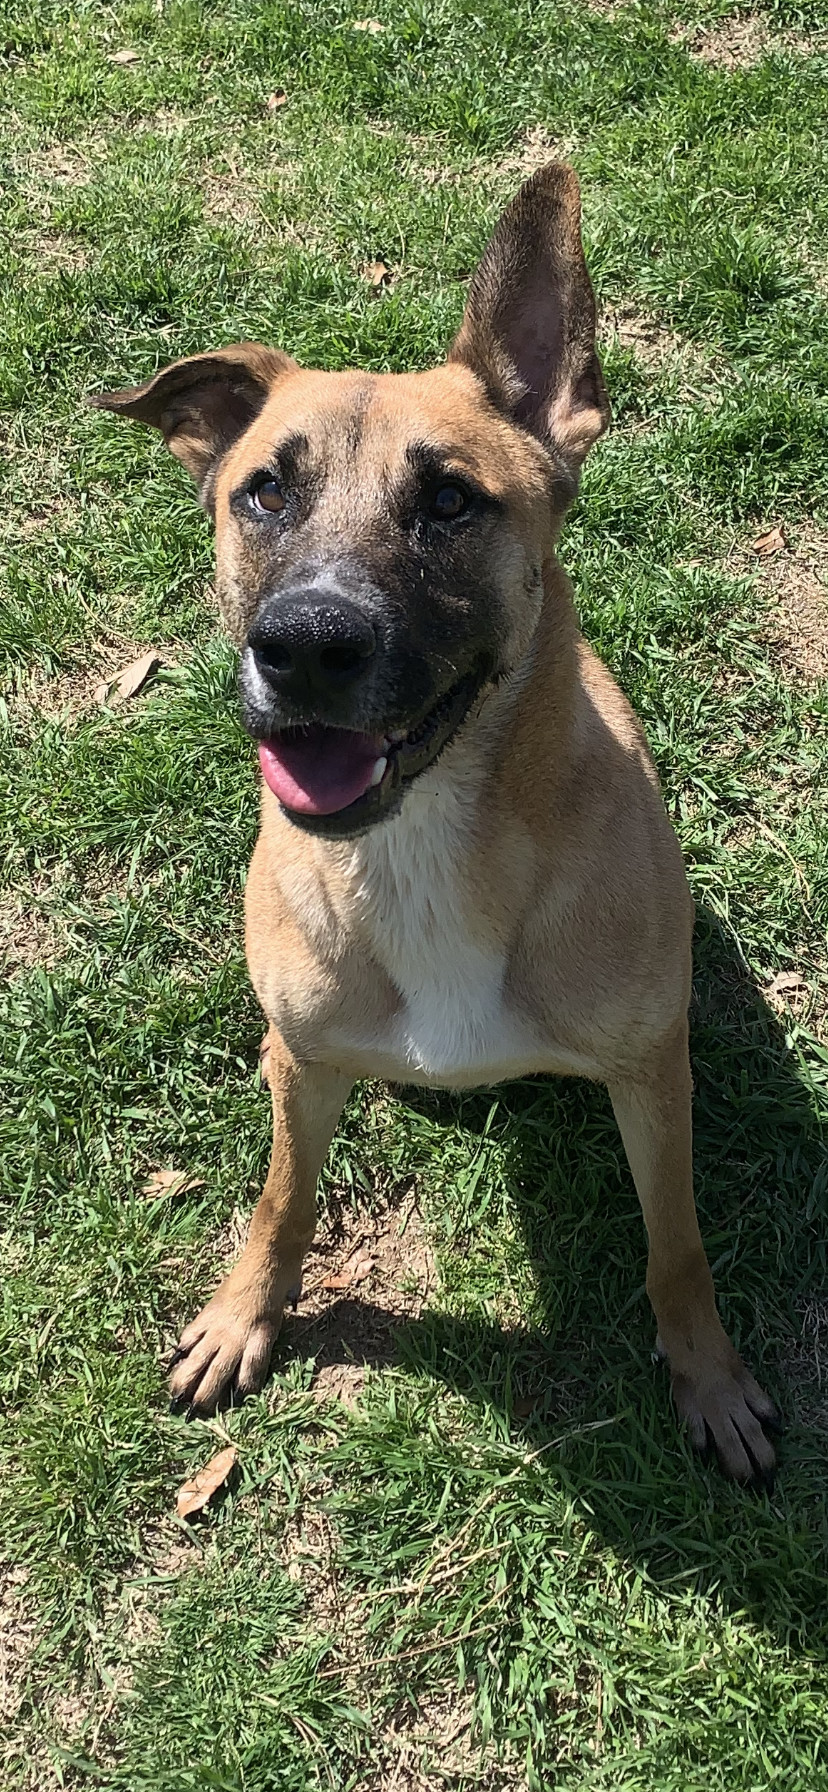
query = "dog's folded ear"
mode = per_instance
[
  {"x": 203, "y": 404},
  {"x": 529, "y": 326}
]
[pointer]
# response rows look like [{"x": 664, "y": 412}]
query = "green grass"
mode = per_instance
[{"x": 506, "y": 1542}]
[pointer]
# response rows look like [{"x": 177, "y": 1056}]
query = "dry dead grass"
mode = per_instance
[
  {"x": 534, "y": 149},
  {"x": 54, "y": 251},
  {"x": 795, "y": 581},
  {"x": 415, "y": 1747},
  {"x": 423, "y": 1747},
  {"x": 34, "y": 697},
  {"x": 29, "y": 1761},
  {"x": 655, "y": 344},
  {"x": 741, "y": 42}
]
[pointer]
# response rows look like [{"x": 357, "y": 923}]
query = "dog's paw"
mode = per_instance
[
  {"x": 722, "y": 1406},
  {"x": 225, "y": 1353}
]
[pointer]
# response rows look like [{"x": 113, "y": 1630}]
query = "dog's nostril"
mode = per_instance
[{"x": 275, "y": 656}]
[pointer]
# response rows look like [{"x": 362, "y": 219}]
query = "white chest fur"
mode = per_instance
[{"x": 411, "y": 883}]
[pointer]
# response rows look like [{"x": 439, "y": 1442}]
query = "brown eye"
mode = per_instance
[
  {"x": 448, "y": 503},
  {"x": 268, "y": 495}
]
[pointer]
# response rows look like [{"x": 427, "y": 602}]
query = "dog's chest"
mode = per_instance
[{"x": 418, "y": 916}]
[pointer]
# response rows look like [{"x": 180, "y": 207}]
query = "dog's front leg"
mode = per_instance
[
  {"x": 713, "y": 1392},
  {"x": 226, "y": 1351}
]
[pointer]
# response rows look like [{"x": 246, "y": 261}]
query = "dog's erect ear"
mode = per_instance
[
  {"x": 203, "y": 404},
  {"x": 529, "y": 324}
]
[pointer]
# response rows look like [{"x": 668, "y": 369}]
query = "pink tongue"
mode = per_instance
[{"x": 318, "y": 770}]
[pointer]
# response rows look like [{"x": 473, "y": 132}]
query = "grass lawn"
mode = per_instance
[{"x": 465, "y": 1546}]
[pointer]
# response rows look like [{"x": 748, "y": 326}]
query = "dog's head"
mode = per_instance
[{"x": 381, "y": 537}]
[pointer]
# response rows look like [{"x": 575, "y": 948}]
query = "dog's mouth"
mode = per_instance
[{"x": 337, "y": 781}]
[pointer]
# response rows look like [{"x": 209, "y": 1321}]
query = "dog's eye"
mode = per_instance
[
  {"x": 449, "y": 502},
  {"x": 267, "y": 495}
]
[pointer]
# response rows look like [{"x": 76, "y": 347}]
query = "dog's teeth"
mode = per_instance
[
  {"x": 378, "y": 772},
  {"x": 396, "y": 736}
]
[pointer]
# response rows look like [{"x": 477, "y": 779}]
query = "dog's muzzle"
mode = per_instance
[{"x": 345, "y": 716}]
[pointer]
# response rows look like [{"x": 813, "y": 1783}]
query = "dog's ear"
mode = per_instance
[
  {"x": 529, "y": 324},
  {"x": 203, "y": 404}
]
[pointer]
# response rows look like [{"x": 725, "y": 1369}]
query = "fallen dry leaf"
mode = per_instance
[
  {"x": 130, "y": 680},
  {"x": 171, "y": 1182},
  {"x": 277, "y": 99},
  {"x": 357, "y": 1269},
  {"x": 194, "y": 1495},
  {"x": 786, "y": 983},
  {"x": 124, "y": 57},
  {"x": 771, "y": 543},
  {"x": 372, "y": 25},
  {"x": 377, "y": 273}
]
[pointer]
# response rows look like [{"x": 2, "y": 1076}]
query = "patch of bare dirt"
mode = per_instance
[
  {"x": 63, "y": 163},
  {"x": 229, "y": 199},
  {"x": 740, "y": 42},
  {"x": 29, "y": 934},
  {"x": 55, "y": 251},
  {"x": 33, "y": 929},
  {"x": 57, "y": 513},
  {"x": 309, "y": 1550},
  {"x": 794, "y": 996},
  {"x": 35, "y": 923},
  {"x": 432, "y": 1744},
  {"x": 166, "y": 1551},
  {"x": 370, "y": 1269},
  {"x": 168, "y": 121},
  {"x": 805, "y": 1366},
  {"x": 652, "y": 342},
  {"x": 20, "y": 1752},
  {"x": 34, "y": 696},
  {"x": 414, "y": 1748},
  {"x": 535, "y": 149},
  {"x": 795, "y": 578},
  {"x": 17, "y": 1640}
]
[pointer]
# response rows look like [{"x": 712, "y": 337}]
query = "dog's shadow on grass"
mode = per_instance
[{"x": 580, "y": 1383}]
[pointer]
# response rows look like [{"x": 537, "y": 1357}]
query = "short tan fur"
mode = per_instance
[{"x": 524, "y": 907}]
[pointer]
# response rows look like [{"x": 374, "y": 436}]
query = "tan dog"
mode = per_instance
[{"x": 464, "y": 871}]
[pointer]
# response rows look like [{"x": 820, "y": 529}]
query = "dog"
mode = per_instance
[{"x": 465, "y": 871}]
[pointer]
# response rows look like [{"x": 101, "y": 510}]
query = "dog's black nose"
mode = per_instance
[{"x": 307, "y": 646}]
